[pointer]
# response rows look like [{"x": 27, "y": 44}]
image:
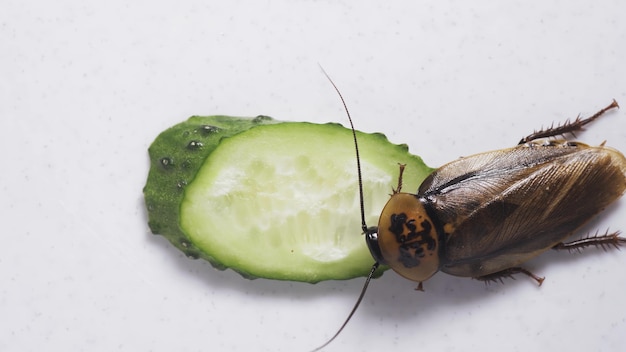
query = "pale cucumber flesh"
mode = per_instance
[{"x": 280, "y": 201}]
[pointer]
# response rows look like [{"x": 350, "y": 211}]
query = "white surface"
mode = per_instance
[{"x": 86, "y": 86}]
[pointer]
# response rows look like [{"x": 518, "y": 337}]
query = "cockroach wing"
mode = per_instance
[{"x": 498, "y": 209}]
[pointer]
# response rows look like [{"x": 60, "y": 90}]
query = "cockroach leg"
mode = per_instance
[
  {"x": 508, "y": 273},
  {"x": 420, "y": 287},
  {"x": 399, "y": 188},
  {"x": 568, "y": 126},
  {"x": 605, "y": 242}
]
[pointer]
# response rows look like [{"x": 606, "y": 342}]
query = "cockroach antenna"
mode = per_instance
[
  {"x": 356, "y": 148},
  {"x": 356, "y": 305},
  {"x": 366, "y": 230}
]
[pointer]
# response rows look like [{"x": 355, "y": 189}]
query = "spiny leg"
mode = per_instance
[
  {"x": 567, "y": 127},
  {"x": 508, "y": 273},
  {"x": 399, "y": 188},
  {"x": 605, "y": 242}
]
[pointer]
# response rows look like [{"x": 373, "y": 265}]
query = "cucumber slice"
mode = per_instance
[{"x": 280, "y": 200}]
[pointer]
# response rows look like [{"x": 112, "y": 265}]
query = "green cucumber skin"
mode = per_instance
[{"x": 176, "y": 155}]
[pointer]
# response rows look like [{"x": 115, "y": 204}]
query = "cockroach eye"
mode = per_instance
[{"x": 371, "y": 238}]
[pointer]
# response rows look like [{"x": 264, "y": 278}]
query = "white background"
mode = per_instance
[{"x": 85, "y": 86}]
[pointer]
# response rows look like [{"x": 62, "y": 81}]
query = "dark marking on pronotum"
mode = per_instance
[{"x": 411, "y": 247}]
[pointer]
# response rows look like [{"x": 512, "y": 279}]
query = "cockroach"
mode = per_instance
[{"x": 484, "y": 215}]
